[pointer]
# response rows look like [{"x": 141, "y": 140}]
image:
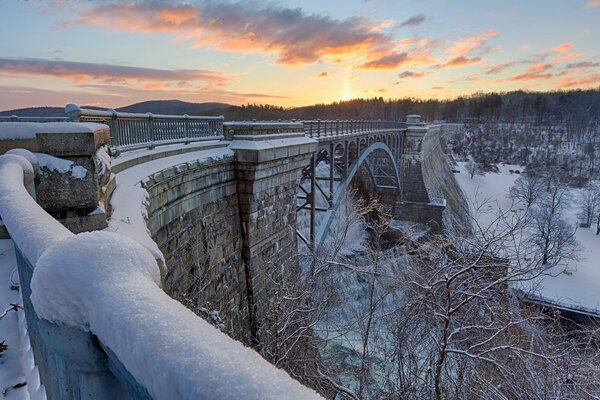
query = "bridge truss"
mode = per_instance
[{"x": 372, "y": 151}]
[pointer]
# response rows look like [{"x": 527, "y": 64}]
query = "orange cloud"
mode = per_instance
[
  {"x": 563, "y": 48},
  {"x": 395, "y": 60},
  {"x": 81, "y": 72},
  {"x": 323, "y": 74},
  {"x": 467, "y": 44},
  {"x": 292, "y": 35},
  {"x": 462, "y": 61},
  {"x": 411, "y": 74},
  {"x": 588, "y": 81},
  {"x": 534, "y": 72}
]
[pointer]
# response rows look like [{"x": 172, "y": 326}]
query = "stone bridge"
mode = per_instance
[{"x": 215, "y": 204}]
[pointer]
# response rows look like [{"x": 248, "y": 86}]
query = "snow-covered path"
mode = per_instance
[{"x": 579, "y": 290}]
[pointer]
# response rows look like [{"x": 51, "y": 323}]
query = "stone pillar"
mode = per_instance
[
  {"x": 268, "y": 161},
  {"x": 411, "y": 176},
  {"x": 74, "y": 179}
]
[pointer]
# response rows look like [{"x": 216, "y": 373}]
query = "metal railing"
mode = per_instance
[
  {"x": 131, "y": 130},
  {"x": 324, "y": 128}
]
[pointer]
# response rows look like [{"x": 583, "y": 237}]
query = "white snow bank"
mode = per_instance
[
  {"x": 129, "y": 216},
  {"x": 61, "y": 165},
  {"x": 28, "y": 130},
  {"x": 577, "y": 290},
  {"x": 109, "y": 285},
  {"x": 31, "y": 228}
]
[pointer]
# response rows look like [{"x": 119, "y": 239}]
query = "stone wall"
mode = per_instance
[
  {"x": 194, "y": 218},
  {"x": 441, "y": 183}
]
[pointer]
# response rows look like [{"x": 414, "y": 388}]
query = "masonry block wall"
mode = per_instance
[
  {"x": 267, "y": 195},
  {"x": 194, "y": 218},
  {"x": 411, "y": 176},
  {"x": 440, "y": 181}
]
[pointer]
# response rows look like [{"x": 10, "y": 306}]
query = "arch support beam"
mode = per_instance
[{"x": 308, "y": 197}]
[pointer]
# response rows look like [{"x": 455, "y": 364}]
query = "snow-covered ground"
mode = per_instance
[
  {"x": 11, "y": 370},
  {"x": 579, "y": 290}
]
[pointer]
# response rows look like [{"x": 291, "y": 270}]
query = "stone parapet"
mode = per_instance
[{"x": 74, "y": 178}]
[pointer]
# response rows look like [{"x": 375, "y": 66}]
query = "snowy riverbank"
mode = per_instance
[{"x": 578, "y": 290}]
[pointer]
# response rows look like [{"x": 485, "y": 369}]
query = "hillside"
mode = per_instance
[{"x": 176, "y": 107}]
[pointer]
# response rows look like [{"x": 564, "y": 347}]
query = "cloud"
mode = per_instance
[
  {"x": 462, "y": 61},
  {"x": 524, "y": 47},
  {"x": 498, "y": 68},
  {"x": 415, "y": 20},
  {"x": 469, "y": 44},
  {"x": 437, "y": 87},
  {"x": 592, "y": 3},
  {"x": 323, "y": 74},
  {"x": 534, "y": 72},
  {"x": 588, "y": 81},
  {"x": 389, "y": 61},
  {"x": 582, "y": 65},
  {"x": 411, "y": 74},
  {"x": 563, "y": 48},
  {"x": 294, "y": 36},
  {"x": 80, "y": 72},
  {"x": 395, "y": 60}
]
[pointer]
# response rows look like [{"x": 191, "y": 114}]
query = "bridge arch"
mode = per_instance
[{"x": 362, "y": 159}]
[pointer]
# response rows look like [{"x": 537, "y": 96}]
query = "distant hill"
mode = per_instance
[
  {"x": 175, "y": 107},
  {"x": 36, "y": 112}
]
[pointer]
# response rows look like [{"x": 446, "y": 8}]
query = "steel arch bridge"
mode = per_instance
[{"x": 376, "y": 145}]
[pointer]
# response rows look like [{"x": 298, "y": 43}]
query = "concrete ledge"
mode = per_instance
[{"x": 257, "y": 151}]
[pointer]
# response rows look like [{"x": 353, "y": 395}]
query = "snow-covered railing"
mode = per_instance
[
  {"x": 132, "y": 130},
  {"x": 101, "y": 326},
  {"x": 323, "y": 128}
]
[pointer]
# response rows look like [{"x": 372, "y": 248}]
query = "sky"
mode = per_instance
[{"x": 291, "y": 53}]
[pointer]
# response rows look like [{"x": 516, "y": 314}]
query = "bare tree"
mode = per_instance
[
  {"x": 527, "y": 189},
  {"x": 472, "y": 168},
  {"x": 552, "y": 235},
  {"x": 589, "y": 203}
]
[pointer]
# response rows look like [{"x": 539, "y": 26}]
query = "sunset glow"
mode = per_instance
[{"x": 117, "y": 53}]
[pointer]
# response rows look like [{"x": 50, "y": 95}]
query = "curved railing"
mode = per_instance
[
  {"x": 101, "y": 326},
  {"x": 133, "y": 130}
]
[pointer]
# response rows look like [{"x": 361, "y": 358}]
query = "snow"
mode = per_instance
[
  {"x": 11, "y": 370},
  {"x": 136, "y": 174},
  {"x": 32, "y": 229},
  {"x": 132, "y": 154},
  {"x": 102, "y": 158},
  {"x": 28, "y": 130},
  {"x": 61, "y": 165},
  {"x": 129, "y": 215},
  {"x": 110, "y": 285},
  {"x": 577, "y": 290}
]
